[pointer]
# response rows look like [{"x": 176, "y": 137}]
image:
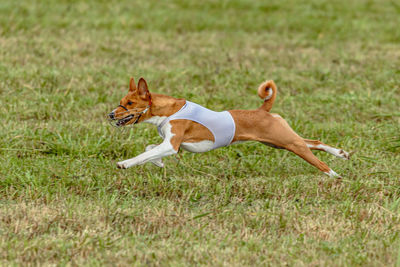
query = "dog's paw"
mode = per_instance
[
  {"x": 333, "y": 174},
  {"x": 121, "y": 165},
  {"x": 344, "y": 155}
]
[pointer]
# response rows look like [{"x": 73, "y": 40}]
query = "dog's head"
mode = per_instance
[{"x": 134, "y": 107}]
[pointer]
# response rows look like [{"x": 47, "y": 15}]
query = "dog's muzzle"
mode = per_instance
[
  {"x": 125, "y": 120},
  {"x": 121, "y": 122}
]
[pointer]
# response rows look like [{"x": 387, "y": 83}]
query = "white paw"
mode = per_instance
[
  {"x": 332, "y": 173},
  {"x": 122, "y": 165},
  {"x": 343, "y": 154}
]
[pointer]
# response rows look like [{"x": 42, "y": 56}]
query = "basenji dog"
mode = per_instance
[{"x": 183, "y": 124}]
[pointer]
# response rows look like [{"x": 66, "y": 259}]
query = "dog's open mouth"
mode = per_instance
[{"x": 124, "y": 121}]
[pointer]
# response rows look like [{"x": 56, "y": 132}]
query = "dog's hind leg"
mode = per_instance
[
  {"x": 300, "y": 148},
  {"x": 318, "y": 145},
  {"x": 283, "y": 136}
]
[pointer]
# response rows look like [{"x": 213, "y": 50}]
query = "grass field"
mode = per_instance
[{"x": 65, "y": 64}]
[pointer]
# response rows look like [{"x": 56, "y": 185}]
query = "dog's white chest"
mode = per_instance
[{"x": 199, "y": 147}]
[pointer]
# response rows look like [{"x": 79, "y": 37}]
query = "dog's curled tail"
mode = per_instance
[{"x": 267, "y": 91}]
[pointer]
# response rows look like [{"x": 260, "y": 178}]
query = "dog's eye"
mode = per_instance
[{"x": 130, "y": 103}]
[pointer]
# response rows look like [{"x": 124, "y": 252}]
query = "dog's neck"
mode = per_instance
[{"x": 162, "y": 107}]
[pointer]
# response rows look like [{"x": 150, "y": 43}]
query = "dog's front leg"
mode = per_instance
[
  {"x": 162, "y": 150},
  {"x": 158, "y": 162}
]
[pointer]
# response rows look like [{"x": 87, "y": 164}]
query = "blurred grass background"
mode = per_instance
[{"x": 65, "y": 64}]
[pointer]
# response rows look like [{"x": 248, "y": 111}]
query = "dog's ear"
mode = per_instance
[
  {"x": 132, "y": 85},
  {"x": 142, "y": 89}
]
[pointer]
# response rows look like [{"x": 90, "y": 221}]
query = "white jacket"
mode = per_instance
[{"x": 220, "y": 124}]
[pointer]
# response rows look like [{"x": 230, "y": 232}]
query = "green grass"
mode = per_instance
[{"x": 65, "y": 64}]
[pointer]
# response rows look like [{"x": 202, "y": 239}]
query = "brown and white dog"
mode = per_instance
[{"x": 139, "y": 105}]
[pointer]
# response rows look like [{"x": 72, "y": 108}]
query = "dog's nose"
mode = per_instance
[{"x": 111, "y": 115}]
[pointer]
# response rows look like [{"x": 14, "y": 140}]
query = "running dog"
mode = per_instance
[{"x": 184, "y": 124}]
